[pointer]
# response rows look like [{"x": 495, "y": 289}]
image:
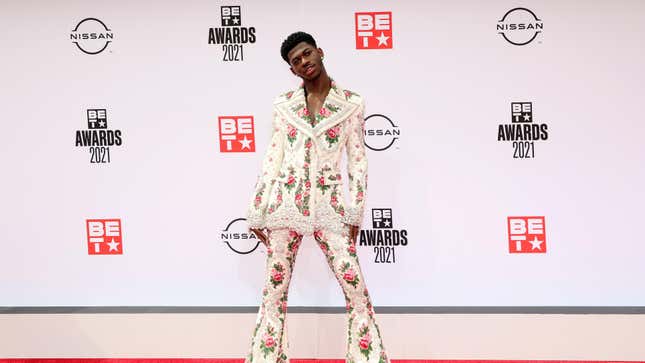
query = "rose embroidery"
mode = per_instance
[
  {"x": 268, "y": 341},
  {"x": 291, "y": 182},
  {"x": 291, "y": 134},
  {"x": 349, "y": 275},
  {"x": 303, "y": 190},
  {"x": 365, "y": 341},
  {"x": 352, "y": 250},
  {"x": 278, "y": 201},
  {"x": 258, "y": 196},
  {"x": 359, "y": 192},
  {"x": 277, "y": 274},
  {"x": 324, "y": 245},
  {"x": 294, "y": 243},
  {"x": 333, "y": 201},
  {"x": 282, "y": 305},
  {"x": 326, "y": 111},
  {"x": 320, "y": 181},
  {"x": 349, "y": 94},
  {"x": 332, "y": 135},
  {"x": 288, "y": 94},
  {"x": 303, "y": 113}
]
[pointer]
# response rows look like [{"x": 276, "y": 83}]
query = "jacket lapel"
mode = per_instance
[
  {"x": 291, "y": 106},
  {"x": 336, "y": 108}
]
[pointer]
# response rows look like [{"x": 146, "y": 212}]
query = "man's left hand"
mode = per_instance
[{"x": 353, "y": 233}]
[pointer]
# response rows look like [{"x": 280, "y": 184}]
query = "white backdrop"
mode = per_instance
[{"x": 447, "y": 83}]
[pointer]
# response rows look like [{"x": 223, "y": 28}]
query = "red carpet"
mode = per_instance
[{"x": 159, "y": 360}]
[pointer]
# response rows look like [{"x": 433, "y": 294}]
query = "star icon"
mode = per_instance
[
  {"x": 236, "y": 21},
  {"x": 535, "y": 244},
  {"x": 246, "y": 143},
  {"x": 382, "y": 39},
  {"x": 527, "y": 117},
  {"x": 113, "y": 245},
  {"x": 387, "y": 224},
  {"x": 102, "y": 123}
]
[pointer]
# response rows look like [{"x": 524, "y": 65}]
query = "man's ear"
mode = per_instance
[
  {"x": 321, "y": 52},
  {"x": 292, "y": 71}
]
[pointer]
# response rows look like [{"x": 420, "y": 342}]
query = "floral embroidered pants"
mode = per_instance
[{"x": 269, "y": 341}]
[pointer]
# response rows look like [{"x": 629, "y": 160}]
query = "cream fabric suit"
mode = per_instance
[
  {"x": 300, "y": 192},
  {"x": 302, "y": 157}
]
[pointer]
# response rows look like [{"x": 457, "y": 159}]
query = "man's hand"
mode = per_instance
[
  {"x": 260, "y": 234},
  {"x": 353, "y": 233}
]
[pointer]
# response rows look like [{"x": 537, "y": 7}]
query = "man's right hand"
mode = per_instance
[{"x": 261, "y": 235}]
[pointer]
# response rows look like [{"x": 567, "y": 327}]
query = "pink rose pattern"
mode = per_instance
[
  {"x": 303, "y": 192},
  {"x": 336, "y": 205},
  {"x": 258, "y": 196},
  {"x": 278, "y": 201},
  {"x": 349, "y": 274},
  {"x": 348, "y": 94},
  {"x": 359, "y": 192},
  {"x": 268, "y": 341},
  {"x": 364, "y": 341},
  {"x": 291, "y": 134},
  {"x": 332, "y": 135},
  {"x": 268, "y": 338},
  {"x": 291, "y": 179},
  {"x": 288, "y": 95},
  {"x": 277, "y": 274},
  {"x": 355, "y": 186},
  {"x": 335, "y": 135},
  {"x": 324, "y": 246},
  {"x": 320, "y": 180},
  {"x": 325, "y": 112}
]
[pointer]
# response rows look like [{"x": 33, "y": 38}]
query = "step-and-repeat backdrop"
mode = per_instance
[{"x": 506, "y": 161}]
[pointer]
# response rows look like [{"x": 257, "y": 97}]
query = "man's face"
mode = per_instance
[{"x": 305, "y": 61}]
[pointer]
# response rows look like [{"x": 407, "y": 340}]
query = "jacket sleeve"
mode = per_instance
[
  {"x": 356, "y": 168},
  {"x": 271, "y": 163}
]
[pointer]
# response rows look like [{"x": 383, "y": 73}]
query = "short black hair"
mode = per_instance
[{"x": 293, "y": 40}]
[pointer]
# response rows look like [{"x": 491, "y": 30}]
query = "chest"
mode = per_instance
[{"x": 314, "y": 110}]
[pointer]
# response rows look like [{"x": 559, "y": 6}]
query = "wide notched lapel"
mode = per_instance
[
  {"x": 289, "y": 105},
  {"x": 337, "y": 106},
  {"x": 337, "y": 101}
]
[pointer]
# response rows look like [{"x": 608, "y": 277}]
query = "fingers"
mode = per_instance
[
  {"x": 353, "y": 233},
  {"x": 261, "y": 236}
]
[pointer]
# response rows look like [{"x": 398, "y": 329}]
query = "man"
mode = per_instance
[{"x": 300, "y": 192}]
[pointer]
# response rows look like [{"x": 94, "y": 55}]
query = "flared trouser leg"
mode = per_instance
[
  {"x": 269, "y": 342},
  {"x": 364, "y": 341}
]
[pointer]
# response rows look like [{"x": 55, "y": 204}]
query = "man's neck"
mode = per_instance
[{"x": 318, "y": 86}]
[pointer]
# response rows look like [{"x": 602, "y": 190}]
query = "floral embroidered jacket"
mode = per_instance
[{"x": 300, "y": 186}]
